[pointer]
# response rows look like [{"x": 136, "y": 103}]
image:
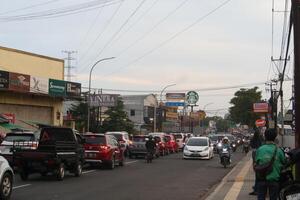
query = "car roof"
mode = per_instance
[
  {"x": 20, "y": 133},
  {"x": 93, "y": 134},
  {"x": 198, "y": 137},
  {"x": 116, "y": 132}
]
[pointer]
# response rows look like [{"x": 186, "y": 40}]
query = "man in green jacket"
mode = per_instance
[{"x": 264, "y": 155}]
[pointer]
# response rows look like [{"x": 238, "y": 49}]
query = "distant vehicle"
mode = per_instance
[
  {"x": 6, "y": 181},
  {"x": 171, "y": 143},
  {"x": 179, "y": 139},
  {"x": 24, "y": 137},
  {"x": 101, "y": 149},
  {"x": 225, "y": 157},
  {"x": 59, "y": 149},
  {"x": 198, "y": 148},
  {"x": 138, "y": 148},
  {"x": 123, "y": 138},
  {"x": 161, "y": 142}
]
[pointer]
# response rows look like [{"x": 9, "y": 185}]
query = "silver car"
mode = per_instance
[{"x": 6, "y": 177}]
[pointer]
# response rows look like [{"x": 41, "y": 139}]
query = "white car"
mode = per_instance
[
  {"x": 198, "y": 148},
  {"x": 179, "y": 139},
  {"x": 6, "y": 179},
  {"x": 123, "y": 138}
]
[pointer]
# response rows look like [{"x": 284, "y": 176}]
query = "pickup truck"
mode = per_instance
[{"x": 59, "y": 149}]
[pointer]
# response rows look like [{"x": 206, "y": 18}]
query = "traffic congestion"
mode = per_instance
[{"x": 56, "y": 151}]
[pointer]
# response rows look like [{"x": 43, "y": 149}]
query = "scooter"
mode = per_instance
[
  {"x": 246, "y": 147},
  {"x": 225, "y": 157},
  {"x": 233, "y": 146}
]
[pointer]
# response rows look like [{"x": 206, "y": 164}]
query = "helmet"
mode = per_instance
[
  {"x": 225, "y": 138},
  {"x": 150, "y": 137}
]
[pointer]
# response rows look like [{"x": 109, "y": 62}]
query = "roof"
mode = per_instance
[
  {"x": 30, "y": 54},
  {"x": 93, "y": 134}
]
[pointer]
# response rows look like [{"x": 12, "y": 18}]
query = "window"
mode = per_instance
[{"x": 132, "y": 112}]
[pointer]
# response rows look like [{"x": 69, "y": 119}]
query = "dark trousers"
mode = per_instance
[{"x": 264, "y": 186}]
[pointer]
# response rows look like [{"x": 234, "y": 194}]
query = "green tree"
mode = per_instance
[
  {"x": 79, "y": 113},
  {"x": 117, "y": 120},
  {"x": 242, "y": 109}
]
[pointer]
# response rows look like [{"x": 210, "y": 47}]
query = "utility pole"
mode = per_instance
[{"x": 69, "y": 66}]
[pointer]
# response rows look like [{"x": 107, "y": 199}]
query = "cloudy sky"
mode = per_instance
[{"x": 194, "y": 44}]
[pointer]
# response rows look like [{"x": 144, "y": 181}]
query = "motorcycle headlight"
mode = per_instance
[{"x": 219, "y": 144}]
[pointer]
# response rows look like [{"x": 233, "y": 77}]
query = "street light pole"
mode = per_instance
[
  {"x": 204, "y": 107},
  {"x": 89, "y": 94}
]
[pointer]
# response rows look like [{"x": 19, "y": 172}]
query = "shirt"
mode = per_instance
[{"x": 264, "y": 155}]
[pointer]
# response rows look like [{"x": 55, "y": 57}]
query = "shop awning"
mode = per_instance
[
  {"x": 10, "y": 126},
  {"x": 36, "y": 123}
]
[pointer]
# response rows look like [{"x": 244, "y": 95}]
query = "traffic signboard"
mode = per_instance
[{"x": 174, "y": 104}]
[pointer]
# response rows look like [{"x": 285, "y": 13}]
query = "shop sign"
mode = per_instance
[
  {"x": 19, "y": 82},
  {"x": 73, "y": 89},
  {"x": 39, "y": 85},
  {"x": 260, "y": 123},
  {"x": 175, "y": 96},
  {"x": 105, "y": 100},
  {"x": 57, "y": 88},
  {"x": 11, "y": 117},
  {"x": 260, "y": 107},
  {"x": 4, "y": 80},
  {"x": 192, "y": 97}
]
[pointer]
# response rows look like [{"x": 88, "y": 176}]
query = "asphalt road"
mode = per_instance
[{"x": 166, "y": 178}]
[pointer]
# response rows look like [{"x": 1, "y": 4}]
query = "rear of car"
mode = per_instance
[
  {"x": 171, "y": 144},
  {"x": 123, "y": 138},
  {"x": 161, "y": 143},
  {"x": 137, "y": 147},
  {"x": 102, "y": 149},
  {"x": 28, "y": 140},
  {"x": 179, "y": 140}
]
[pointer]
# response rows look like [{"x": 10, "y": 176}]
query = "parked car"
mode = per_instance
[
  {"x": 24, "y": 137},
  {"x": 179, "y": 139},
  {"x": 6, "y": 179},
  {"x": 103, "y": 149},
  {"x": 171, "y": 143},
  {"x": 138, "y": 148},
  {"x": 198, "y": 148},
  {"x": 123, "y": 138},
  {"x": 59, "y": 149},
  {"x": 161, "y": 143}
]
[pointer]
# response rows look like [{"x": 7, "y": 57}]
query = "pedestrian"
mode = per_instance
[
  {"x": 255, "y": 143},
  {"x": 268, "y": 180}
]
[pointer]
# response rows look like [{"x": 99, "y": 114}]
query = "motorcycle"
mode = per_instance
[
  {"x": 246, "y": 147},
  {"x": 233, "y": 146},
  {"x": 150, "y": 156},
  {"x": 225, "y": 157},
  {"x": 289, "y": 187}
]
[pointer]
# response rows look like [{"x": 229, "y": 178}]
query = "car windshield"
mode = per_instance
[
  {"x": 117, "y": 136},
  {"x": 197, "y": 142},
  {"x": 93, "y": 139},
  {"x": 19, "y": 138},
  {"x": 178, "y": 136},
  {"x": 139, "y": 138}
]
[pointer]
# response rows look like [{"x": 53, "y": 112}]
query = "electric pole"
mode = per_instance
[{"x": 69, "y": 66}]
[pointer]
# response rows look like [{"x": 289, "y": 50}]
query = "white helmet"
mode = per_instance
[{"x": 225, "y": 138}]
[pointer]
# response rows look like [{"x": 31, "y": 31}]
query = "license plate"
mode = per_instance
[{"x": 293, "y": 196}]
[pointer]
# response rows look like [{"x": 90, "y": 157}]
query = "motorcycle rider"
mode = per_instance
[
  {"x": 225, "y": 144},
  {"x": 246, "y": 143},
  {"x": 150, "y": 146}
]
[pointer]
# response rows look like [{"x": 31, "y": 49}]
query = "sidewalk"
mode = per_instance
[{"x": 237, "y": 184}]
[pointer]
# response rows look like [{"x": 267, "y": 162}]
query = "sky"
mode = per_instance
[{"x": 194, "y": 44}]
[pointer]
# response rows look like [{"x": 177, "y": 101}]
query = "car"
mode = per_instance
[
  {"x": 103, "y": 150},
  {"x": 179, "y": 139},
  {"x": 138, "y": 148},
  {"x": 6, "y": 179},
  {"x": 198, "y": 148},
  {"x": 171, "y": 143},
  {"x": 161, "y": 142},
  {"x": 28, "y": 139},
  {"x": 59, "y": 149},
  {"x": 123, "y": 138}
]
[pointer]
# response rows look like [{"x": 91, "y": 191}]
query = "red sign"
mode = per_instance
[
  {"x": 19, "y": 82},
  {"x": 261, "y": 107},
  {"x": 260, "y": 123},
  {"x": 10, "y": 116}
]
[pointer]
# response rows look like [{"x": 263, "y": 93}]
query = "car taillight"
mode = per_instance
[
  {"x": 33, "y": 145},
  {"x": 104, "y": 148}
]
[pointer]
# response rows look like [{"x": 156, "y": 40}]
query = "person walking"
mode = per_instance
[
  {"x": 269, "y": 180},
  {"x": 255, "y": 143}
]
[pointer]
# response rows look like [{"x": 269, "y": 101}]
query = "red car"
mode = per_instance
[
  {"x": 101, "y": 149},
  {"x": 171, "y": 143},
  {"x": 160, "y": 141}
]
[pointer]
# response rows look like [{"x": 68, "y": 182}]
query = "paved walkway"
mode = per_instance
[{"x": 237, "y": 184}]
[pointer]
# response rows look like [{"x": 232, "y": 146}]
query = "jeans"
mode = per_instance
[{"x": 264, "y": 186}]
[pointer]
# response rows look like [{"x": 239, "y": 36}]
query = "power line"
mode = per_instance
[{"x": 172, "y": 37}]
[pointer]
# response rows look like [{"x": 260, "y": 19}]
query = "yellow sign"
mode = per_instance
[{"x": 171, "y": 115}]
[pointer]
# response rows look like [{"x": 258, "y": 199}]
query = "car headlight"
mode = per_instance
[
  {"x": 206, "y": 149},
  {"x": 186, "y": 149}
]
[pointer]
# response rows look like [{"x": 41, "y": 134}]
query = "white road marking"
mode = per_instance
[
  {"x": 21, "y": 186},
  {"x": 86, "y": 172},
  {"x": 131, "y": 162}
]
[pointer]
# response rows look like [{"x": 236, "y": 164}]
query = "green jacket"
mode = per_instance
[{"x": 264, "y": 154}]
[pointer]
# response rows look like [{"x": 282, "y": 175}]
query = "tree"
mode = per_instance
[
  {"x": 117, "y": 120},
  {"x": 79, "y": 113},
  {"x": 242, "y": 109}
]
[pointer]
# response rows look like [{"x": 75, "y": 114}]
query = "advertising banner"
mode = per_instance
[
  {"x": 57, "y": 88},
  {"x": 260, "y": 107},
  {"x": 4, "y": 80},
  {"x": 39, "y": 85},
  {"x": 105, "y": 100},
  {"x": 73, "y": 89},
  {"x": 19, "y": 82},
  {"x": 174, "y": 104},
  {"x": 175, "y": 96}
]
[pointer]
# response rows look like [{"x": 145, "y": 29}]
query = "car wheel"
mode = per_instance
[
  {"x": 78, "y": 169},
  {"x": 121, "y": 163},
  {"x": 6, "y": 186},
  {"x": 24, "y": 175},
  {"x": 60, "y": 172},
  {"x": 111, "y": 164}
]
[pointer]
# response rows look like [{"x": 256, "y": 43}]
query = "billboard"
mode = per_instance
[
  {"x": 39, "y": 85},
  {"x": 4, "y": 80},
  {"x": 19, "y": 82},
  {"x": 57, "y": 88},
  {"x": 175, "y": 96},
  {"x": 105, "y": 100},
  {"x": 260, "y": 107},
  {"x": 73, "y": 89}
]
